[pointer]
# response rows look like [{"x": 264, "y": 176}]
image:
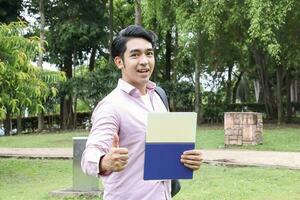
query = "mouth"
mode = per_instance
[{"x": 143, "y": 71}]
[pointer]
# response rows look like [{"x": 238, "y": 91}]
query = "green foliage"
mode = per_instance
[
  {"x": 76, "y": 26},
  {"x": 181, "y": 93},
  {"x": 53, "y": 80},
  {"x": 250, "y": 36},
  {"x": 266, "y": 19},
  {"x": 92, "y": 86},
  {"x": 123, "y": 14},
  {"x": 21, "y": 84}
]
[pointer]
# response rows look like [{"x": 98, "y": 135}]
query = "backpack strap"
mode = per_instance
[
  {"x": 162, "y": 94},
  {"x": 175, "y": 184}
]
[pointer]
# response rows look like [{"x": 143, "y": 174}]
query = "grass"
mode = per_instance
[
  {"x": 284, "y": 138},
  {"x": 226, "y": 183},
  {"x": 55, "y": 139},
  {"x": 22, "y": 179}
]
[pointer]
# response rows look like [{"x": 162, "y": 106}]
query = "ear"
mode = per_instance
[{"x": 119, "y": 62}]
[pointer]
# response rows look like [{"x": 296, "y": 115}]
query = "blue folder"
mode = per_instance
[{"x": 168, "y": 136}]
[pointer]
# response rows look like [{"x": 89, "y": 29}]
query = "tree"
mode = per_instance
[
  {"x": 76, "y": 30},
  {"x": 10, "y": 10},
  {"x": 138, "y": 12},
  {"x": 20, "y": 83},
  {"x": 40, "y": 59},
  {"x": 111, "y": 27}
]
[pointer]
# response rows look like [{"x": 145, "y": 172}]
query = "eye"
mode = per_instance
[
  {"x": 150, "y": 53},
  {"x": 134, "y": 55}
]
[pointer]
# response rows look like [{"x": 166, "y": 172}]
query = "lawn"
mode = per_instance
[
  {"x": 285, "y": 138},
  {"x": 33, "y": 179},
  {"x": 23, "y": 179},
  {"x": 39, "y": 140}
]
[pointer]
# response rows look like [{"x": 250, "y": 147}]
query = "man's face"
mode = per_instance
[{"x": 138, "y": 62}]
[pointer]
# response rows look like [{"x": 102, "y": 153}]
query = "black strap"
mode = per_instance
[
  {"x": 162, "y": 94},
  {"x": 175, "y": 184}
]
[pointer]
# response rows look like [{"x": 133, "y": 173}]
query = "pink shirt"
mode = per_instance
[{"x": 124, "y": 112}]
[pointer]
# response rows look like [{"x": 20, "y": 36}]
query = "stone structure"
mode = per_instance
[
  {"x": 83, "y": 185},
  {"x": 243, "y": 128}
]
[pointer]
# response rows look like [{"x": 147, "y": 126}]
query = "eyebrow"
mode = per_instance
[{"x": 139, "y": 50}]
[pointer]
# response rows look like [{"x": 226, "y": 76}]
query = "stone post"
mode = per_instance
[{"x": 243, "y": 128}]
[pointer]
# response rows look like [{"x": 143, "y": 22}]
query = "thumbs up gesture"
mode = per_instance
[{"x": 116, "y": 159}]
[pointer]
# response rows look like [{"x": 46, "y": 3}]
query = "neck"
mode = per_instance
[
  {"x": 141, "y": 87},
  {"x": 143, "y": 90}
]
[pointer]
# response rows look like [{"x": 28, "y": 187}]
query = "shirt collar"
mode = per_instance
[{"x": 130, "y": 89}]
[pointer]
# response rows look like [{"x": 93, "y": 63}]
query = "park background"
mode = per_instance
[{"x": 211, "y": 57}]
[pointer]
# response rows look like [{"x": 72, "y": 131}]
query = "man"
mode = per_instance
[{"x": 116, "y": 145}]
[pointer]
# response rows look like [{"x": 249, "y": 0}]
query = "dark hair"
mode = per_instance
[{"x": 118, "y": 46}]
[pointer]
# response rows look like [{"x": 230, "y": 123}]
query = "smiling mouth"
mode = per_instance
[{"x": 143, "y": 70}]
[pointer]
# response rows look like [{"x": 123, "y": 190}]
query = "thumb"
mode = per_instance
[{"x": 115, "y": 142}]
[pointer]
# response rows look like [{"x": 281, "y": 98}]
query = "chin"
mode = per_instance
[{"x": 143, "y": 80}]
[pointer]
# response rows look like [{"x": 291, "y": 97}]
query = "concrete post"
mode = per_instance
[
  {"x": 81, "y": 181},
  {"x": 83, "y": 185}
]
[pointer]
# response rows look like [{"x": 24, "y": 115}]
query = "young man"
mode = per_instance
[{"x": 116, "y": 145}]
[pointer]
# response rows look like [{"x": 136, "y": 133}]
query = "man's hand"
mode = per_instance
[
  {"x": 192, "y": 159},
  {"x": 116, "y": 159}
]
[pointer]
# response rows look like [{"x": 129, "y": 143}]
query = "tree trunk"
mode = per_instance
[
  {"x": 296, "y": 91},
  {"x": 168, "y": 55},
  {"x": 138, "y": 13},
  {"x": 42, "y": 32},
  {"x": 256, "y": 90},
  {"x": 92, "y": 59},
  {"x": 111, "y": 26},
  {"x": 279, "y": 95},
  {"x": 229, "y": 84},
  {"x": 264, "y": 80},
  {"x": 66, "y": 113},
  {"x": 288, "y": 98},
  {"x": 7, "y": 123},
  {"x": 156, "y": 29},
  {"x": 197, "y": 93},
  {"x": 75, "y": 112},
  {"x": 19, "y": 124},
  {"x": 174, "y": 74},
  {"x": 40, "y": 59},
  {"x": 62, "y": 121},
  {"x": 234, "y": 90}
]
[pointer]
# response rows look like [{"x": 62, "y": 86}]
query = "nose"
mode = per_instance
[{"x": 144, "y": 60}]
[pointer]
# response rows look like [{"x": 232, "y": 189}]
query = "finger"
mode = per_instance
[
  {"x": 192, "y": 152},
  {"x": 123, "y": 157},
  {"x": 119, "y": 150},
  {"x": 192, "y": 157},
  {"x": 115, "y": 142},
  {"x": 193, "y": 167},
  {"x": 123, "y": 162},
  {"x": 191, "y": 162}
]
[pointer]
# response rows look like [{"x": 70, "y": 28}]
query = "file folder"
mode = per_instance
[{"x": 168, "y": 135}]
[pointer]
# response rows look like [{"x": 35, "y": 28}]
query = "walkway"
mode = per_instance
[{"x": 274, "y": 159}]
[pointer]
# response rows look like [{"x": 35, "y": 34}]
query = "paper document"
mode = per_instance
[{"x": 168, "y": 135}]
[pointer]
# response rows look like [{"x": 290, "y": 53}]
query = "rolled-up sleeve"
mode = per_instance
[{"x": 105, "y": 123}]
